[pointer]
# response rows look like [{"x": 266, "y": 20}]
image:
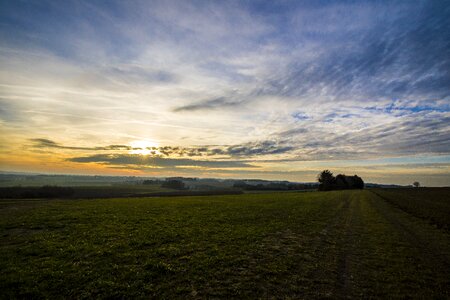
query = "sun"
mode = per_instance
[{"x": 144, "y": 147}]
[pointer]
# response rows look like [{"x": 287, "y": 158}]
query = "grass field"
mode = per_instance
[{"x": 370, "y": 244}]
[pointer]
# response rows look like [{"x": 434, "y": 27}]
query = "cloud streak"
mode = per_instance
[{"x": 217, "y": 103}]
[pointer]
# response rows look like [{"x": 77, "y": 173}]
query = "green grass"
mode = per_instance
[{"x": 277, "y": 245}]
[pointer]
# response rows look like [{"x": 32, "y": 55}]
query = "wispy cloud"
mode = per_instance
[{"x": 216, "y": 103}]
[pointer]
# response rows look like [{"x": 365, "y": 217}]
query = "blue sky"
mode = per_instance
[{"x": 270, "y": 89}]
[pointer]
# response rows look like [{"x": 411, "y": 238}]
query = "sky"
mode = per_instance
[{"x": 230, "y": 89}]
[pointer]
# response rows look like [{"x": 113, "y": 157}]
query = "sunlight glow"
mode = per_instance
[{"x": 144, "y": 148}]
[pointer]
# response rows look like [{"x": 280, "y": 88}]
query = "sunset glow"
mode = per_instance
[{"x": 144, "y": 148}]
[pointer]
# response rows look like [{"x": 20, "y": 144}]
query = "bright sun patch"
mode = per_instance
[{"x": 144, "y": 147}]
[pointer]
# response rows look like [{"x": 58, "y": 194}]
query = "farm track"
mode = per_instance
[
  {"x": 344, "y": 284},
  {"x": 334, "y": 252}
]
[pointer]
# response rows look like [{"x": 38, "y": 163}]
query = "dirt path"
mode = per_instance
[{"x": 345, "y": 259}]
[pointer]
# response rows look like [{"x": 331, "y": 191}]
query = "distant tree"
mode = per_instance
[
  {"x": 341, "y": 182},
  {"x": 151, "y": 182},
  {"x": 273, "y": 186},
  {"x": 326, "y": 180},
  {"x": 240, "y": 184},
  {"x": 416, "y": 184},
  {"x": 173, "y": 184},
  {"x": 358, "y": 182},
  {"x": 344, "y": 182}
]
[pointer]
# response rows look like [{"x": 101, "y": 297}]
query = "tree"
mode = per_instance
[
  {"x": 174, "y": 184},
  {"x": 341, "y": 182},
  {"x": 326, "y": 180},
  {"x": 358, "y": 182},
  {"x": 416, "y": 184},
  {"x": 151, "y": 182}
]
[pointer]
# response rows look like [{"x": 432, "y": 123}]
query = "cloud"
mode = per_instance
[
  {"x": 415, "y": 134},
  {"x": 403, "y": 57},
  {"x": 139, "y": 75},
  {"x": 7, "y": 112},
  {"x": 46, "y": 143},
  {"x": 140, "y": 160},
  {"x": 258, "y": 148},
  {"x": 246, "y": 150},
  {"x": 216, "y": 103},
  {"x": 400, "y": 55},
  {"x": 43, "y": 143}
]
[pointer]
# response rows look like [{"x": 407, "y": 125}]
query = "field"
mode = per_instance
[
  {"x": 113, "y": 191},
  {"x": 370, "y": 244}
]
